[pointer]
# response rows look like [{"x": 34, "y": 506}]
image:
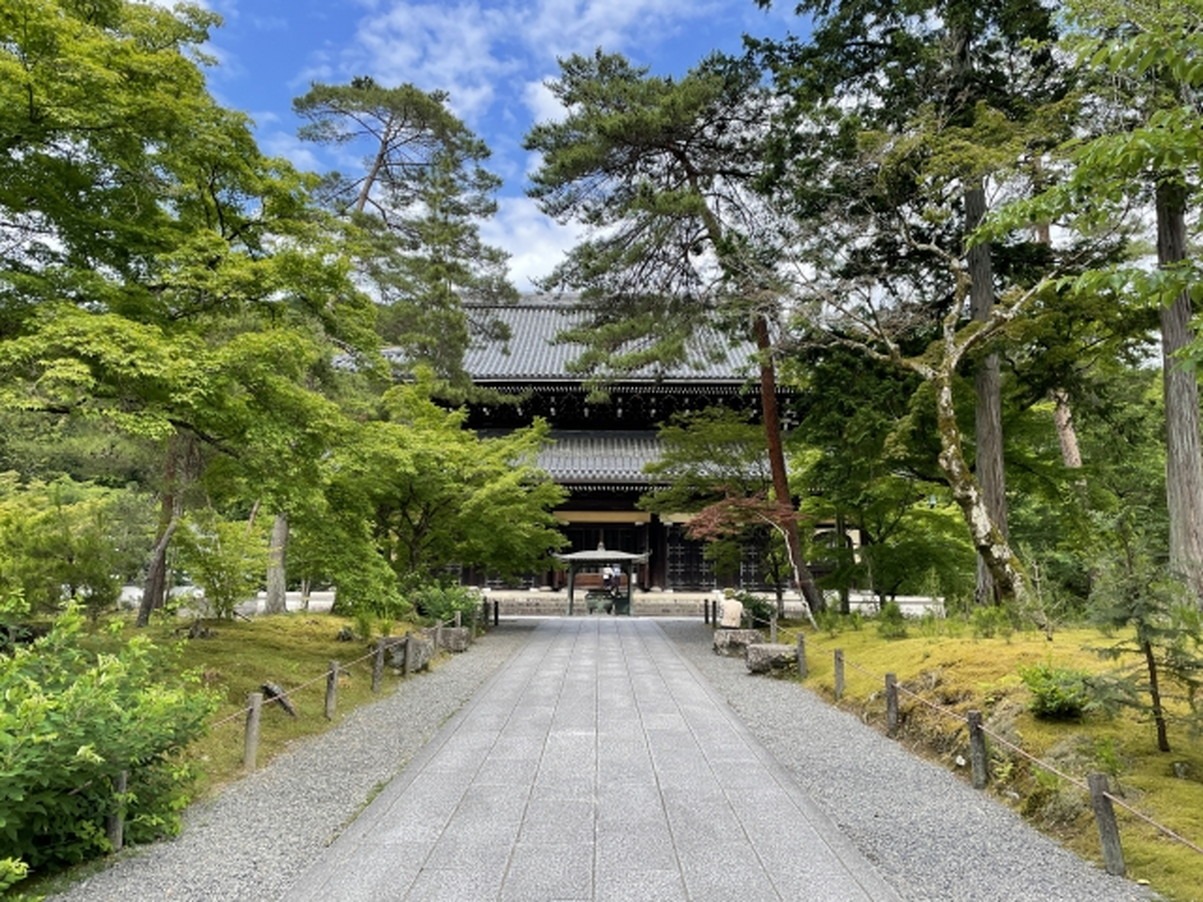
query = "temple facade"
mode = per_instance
[{"x": 600, "y": 450}]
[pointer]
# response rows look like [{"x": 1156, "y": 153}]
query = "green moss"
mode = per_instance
[{"x": 960, "y": 673}]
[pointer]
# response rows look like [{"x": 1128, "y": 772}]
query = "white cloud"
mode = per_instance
[
  {"x": 535, "y": 242},
  {"x": 543, "y": 105},
  {"x": 277, "y": 143},
  {"x": 460, "y": 49}
]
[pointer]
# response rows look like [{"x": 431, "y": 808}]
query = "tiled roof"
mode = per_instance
[
  {"x": 533, "y": 354},
  {"x": 605, "y": 458}
]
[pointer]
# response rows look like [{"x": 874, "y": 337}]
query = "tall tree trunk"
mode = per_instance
[
  {"x": 154, "y": 589},
  {"x": 1067, "y": 435},
  {"x": 772, "y": 432},
  {"x": 992, "y": 546},
  {"x": 1183, "y": 462},
  {"x": 277, "y": 583},
  {"x": 988, "y": 385},
  {"x": 1163, "y": 736}
]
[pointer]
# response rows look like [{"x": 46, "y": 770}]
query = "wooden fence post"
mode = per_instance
[
  {"x": 977, "y": 751},
  {"x": 800, "y": 655},
  {"x": 407, "y": 657},
  {"x": 1104, "y": 815},
  {"x": 250, "y": 749},
  {"x": 773, "y": 628},
  {"x": 459, "y": 620},
  {"x": 331, "y": 689},
  {"x": 839, "y": 674},
  {"x": 115, "y": 822},
  {"x": 706, "y": 610},
  {"x": 496, "y": 612},
  {"x": 891, "y": 704},
  {"x": 378, "y": 664}
]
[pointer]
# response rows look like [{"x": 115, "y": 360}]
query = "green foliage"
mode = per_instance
[
  {"x": 891, "y": 624},
  {"x": 440, "y": 602},
  {"x": 64, "y": 539},
  {"x": 1058, "y": 693},
  {"x": 227, "y": 559},
  {"x": 758, "y": 611},
  {"x": 73, "y": 719},
  {"x": 12, "y": 872},
  {"x": 989, "y": 621},
  {"x": 412, "y": 212},
  {"x": 1156, "y": 619}
]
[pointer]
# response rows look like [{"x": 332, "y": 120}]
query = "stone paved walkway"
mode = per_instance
[{"x": 597, "y": 765}]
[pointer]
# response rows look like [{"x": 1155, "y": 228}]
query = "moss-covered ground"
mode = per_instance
[{"x": 941, "y": 663}]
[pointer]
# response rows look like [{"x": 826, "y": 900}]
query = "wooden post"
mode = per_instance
[
  {"x": 706, "y": 610},
  {"x": 115, "y": 822},
  {"x": 977, "y": 751},
  {"x": 405, "y": 659},
  {"x": 438, "y": 638},
  {"x": 378, "y": 664},
  {"x": 496, "y": 612},
  {"x": 839, "y": 674},
  {"x": 250, "y": 749},
  {"x": 773, "y": 628},
  {"x": 1104, "y": 815},
  {"x": 331, "y": 689},
  {"x": 800, "y": 654},
  {"x": 891, "y": 704},
  {"x": 459, "y": 620}
]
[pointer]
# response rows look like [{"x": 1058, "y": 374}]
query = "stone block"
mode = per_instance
[
  {"x": 455, "y": 638},
  {"x": 421, "y": 650},
  {"x": 734, "y": 643},
  {"x": 767, "y": 657}
]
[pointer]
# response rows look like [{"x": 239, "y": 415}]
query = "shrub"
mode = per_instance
[
  {"x": 891, "y": 624},
  {"x": 1057, "y": 693},
  {"x": 758, "y": 611},
  {"x": 992, "y": 620},
  {"x": 72, "y": 720},
  {"x": 441, "y": 603}
]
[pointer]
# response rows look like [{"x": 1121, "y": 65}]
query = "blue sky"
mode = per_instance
[{"x": 492, "y": 56}]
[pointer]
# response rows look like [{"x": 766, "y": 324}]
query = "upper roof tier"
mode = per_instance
[{"x": 532, "y": 352}]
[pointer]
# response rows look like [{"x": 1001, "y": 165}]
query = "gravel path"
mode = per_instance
[{"x": 931, "y": 835}]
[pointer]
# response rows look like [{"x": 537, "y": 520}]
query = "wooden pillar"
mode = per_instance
[
  {"x": 331, "y": 690},
  {"x": 891, "y": 704},
  {"x": 839, "y": 674},
  {"x": 115, "y": 822},
  {"x": 250, "y": 748},
  {"x": 378, "y": 664},
  {"x": 1104, "y": 815},
  {"x": 977, "y": 750}
]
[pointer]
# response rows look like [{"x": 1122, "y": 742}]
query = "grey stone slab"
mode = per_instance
[
  {"x": 558, "y": 821},
  {"x": 639, "y": 885},
  {"x": 385, "y": 874},
  {"x": 636, "y": 847},
  {"x": 596, "y": 766},
  {"x": 454, "y": 885},
  {"x": 549, "y": 872}
]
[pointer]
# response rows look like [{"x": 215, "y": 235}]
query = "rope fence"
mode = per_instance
[{"x": 1095, "y": 786}]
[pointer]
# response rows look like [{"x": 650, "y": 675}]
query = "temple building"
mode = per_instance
[{"x": 600, "y": 450}]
